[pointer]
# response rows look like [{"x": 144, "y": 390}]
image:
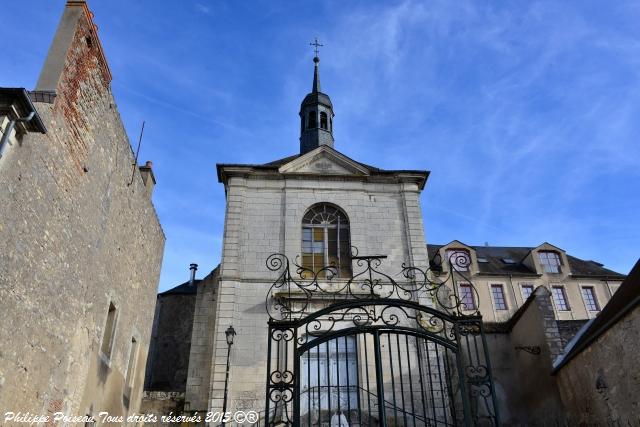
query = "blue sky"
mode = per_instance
[{"x": 527, "y": 114}]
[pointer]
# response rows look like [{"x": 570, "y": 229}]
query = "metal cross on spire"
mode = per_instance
[{"x": 316, "y": 44}]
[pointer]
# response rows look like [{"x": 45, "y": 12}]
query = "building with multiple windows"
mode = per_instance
[
  {"x": 504, "y": 277},
  {"x": 319, "y": 208}
]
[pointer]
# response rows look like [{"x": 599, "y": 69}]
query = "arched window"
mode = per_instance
[
  {"x": 326, "y": 241},
  {"x": 312, "y": 120},
  {"x": 323, "y": 120}
]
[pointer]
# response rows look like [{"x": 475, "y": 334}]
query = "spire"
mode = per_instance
[
  {"x": 316, "y": 76},
  {"x": 316, "y": 113}
]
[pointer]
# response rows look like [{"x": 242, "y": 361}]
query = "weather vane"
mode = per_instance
[{"x": 316, "y": 44}]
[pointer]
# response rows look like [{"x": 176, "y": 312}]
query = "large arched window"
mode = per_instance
[{"x": 325, "y": 240}]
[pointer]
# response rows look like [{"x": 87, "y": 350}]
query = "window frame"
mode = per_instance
[
  {"x": 546, "y": 265},
  {"x": 474, "y": 303},
  {"x": 565, "y": 298},
  {"x": 449, "y": 253},
  {"x": 344, "y": 267},
  {"x": 312, "y": 121},
  {"x": 526, "y": 285},
  {"x": 500, "y": 286},
  {"x": 109, "y": 332},
  {"x": 324, "y": 125},
  {"x": 592, "y": 289}
]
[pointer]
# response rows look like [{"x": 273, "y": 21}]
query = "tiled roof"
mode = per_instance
[{"x": 496, "y": 256}]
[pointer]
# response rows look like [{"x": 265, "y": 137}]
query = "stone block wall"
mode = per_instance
[
  {"x": 264, "y": 216},
  {"x": 77, "y": 235},
  {"x": 601, "y": 384}
]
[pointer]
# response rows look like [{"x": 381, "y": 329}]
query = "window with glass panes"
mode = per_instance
[
  {"x": 459, "y": 258},
  {"x": 466, "y": 296},
  {"x": 560, "y": 298},
  {"x": 326, "y": 241},
  {"x": 527, "y": 290},
  {"x": 497, "y": 291},
  {"x": 589, "y": 296},
  {"x": 550, "y": 261}
]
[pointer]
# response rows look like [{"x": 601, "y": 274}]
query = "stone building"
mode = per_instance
[
  {"x": 80, "y": 243},
  {"x": 314, "y": 207},
  {"x": 504, "y": 277}
]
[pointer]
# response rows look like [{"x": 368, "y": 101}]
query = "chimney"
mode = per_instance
[
  {"x": 193, "y": 268},
  {"x": 76, "y": 39},
  {"x": 148, "y": 178}
]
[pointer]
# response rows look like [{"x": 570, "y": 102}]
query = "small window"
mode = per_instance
[
  {"x": 109, "y": 331},
  {"x": 560, "y": 298},
  {"x": 466, "y": 296},
  {"x": 312, "y": 120},
  {"x": 497, "y": 291},
  {"x": 459, "y": 259},
  {"x": 550, "y": 261},
  {"x": 482, "y": 259},
  {"x": 323, "y": 120},
  {"x": 131, "y": 367},
  {"x": 590, "y": 300},
  {"x": 527, "y": 290}
]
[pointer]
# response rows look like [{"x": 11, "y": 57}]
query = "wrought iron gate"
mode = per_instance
[{"x": 373, "y": 351}]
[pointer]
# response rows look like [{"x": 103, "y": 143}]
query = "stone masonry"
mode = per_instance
[{"x": 78, "y": 235}]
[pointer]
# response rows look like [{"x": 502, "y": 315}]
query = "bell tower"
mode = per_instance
[{"x": 316, "y": 114}]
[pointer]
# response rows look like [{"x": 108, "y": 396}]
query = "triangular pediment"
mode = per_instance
[{"x": 324, "y": 161}]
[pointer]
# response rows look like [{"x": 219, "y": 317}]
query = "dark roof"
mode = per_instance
[
  {"x": 183, "y": 289},
  {"x": 626, "y": 298},
  {"x": 495, "y": 256},
  {"x": 187, "y": 289},
  {"x": 19, "y": 98},
  {"x": 315, "y": 98}
]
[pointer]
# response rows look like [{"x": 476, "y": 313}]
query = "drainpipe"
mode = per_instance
[{"x": 9, "y": 129}]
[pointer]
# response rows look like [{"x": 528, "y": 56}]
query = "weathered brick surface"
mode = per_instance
[{"x": 73, "y": 237}]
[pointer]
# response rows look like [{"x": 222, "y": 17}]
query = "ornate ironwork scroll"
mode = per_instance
[
  {"x": 291, "y": 295},
  {"x": 375, "y": 350}
]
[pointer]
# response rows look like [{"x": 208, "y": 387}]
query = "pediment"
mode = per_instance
[{"x": 324, "y": 161}]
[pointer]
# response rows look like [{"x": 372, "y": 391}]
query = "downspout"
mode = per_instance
[{"x": 9, "y": 129}]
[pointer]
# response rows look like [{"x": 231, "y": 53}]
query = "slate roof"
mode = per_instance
[
  {"x": 183, "y": 289},
  {"x": 496, "y": 266}
]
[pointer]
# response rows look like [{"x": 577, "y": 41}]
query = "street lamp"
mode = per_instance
[{"x": 230, "y": 334}]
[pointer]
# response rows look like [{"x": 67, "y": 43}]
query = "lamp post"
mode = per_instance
[{"x": 230, "y": 334}]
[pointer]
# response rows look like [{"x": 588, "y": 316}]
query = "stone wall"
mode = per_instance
[
  {"x": 76, "y": 236},
  {"x": 525, "y": 389},
  {"x": 168, "y": 361},
  {"x": 264, "y": 216},
  {"x": 601, "y": 384}
]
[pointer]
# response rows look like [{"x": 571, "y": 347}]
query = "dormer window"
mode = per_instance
[
  {"x": 459, "y": 258},
  {"x": 550, "y": 261},
  {"x": 323, "y": 120},
  {"x": 312, "y": 120}
]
